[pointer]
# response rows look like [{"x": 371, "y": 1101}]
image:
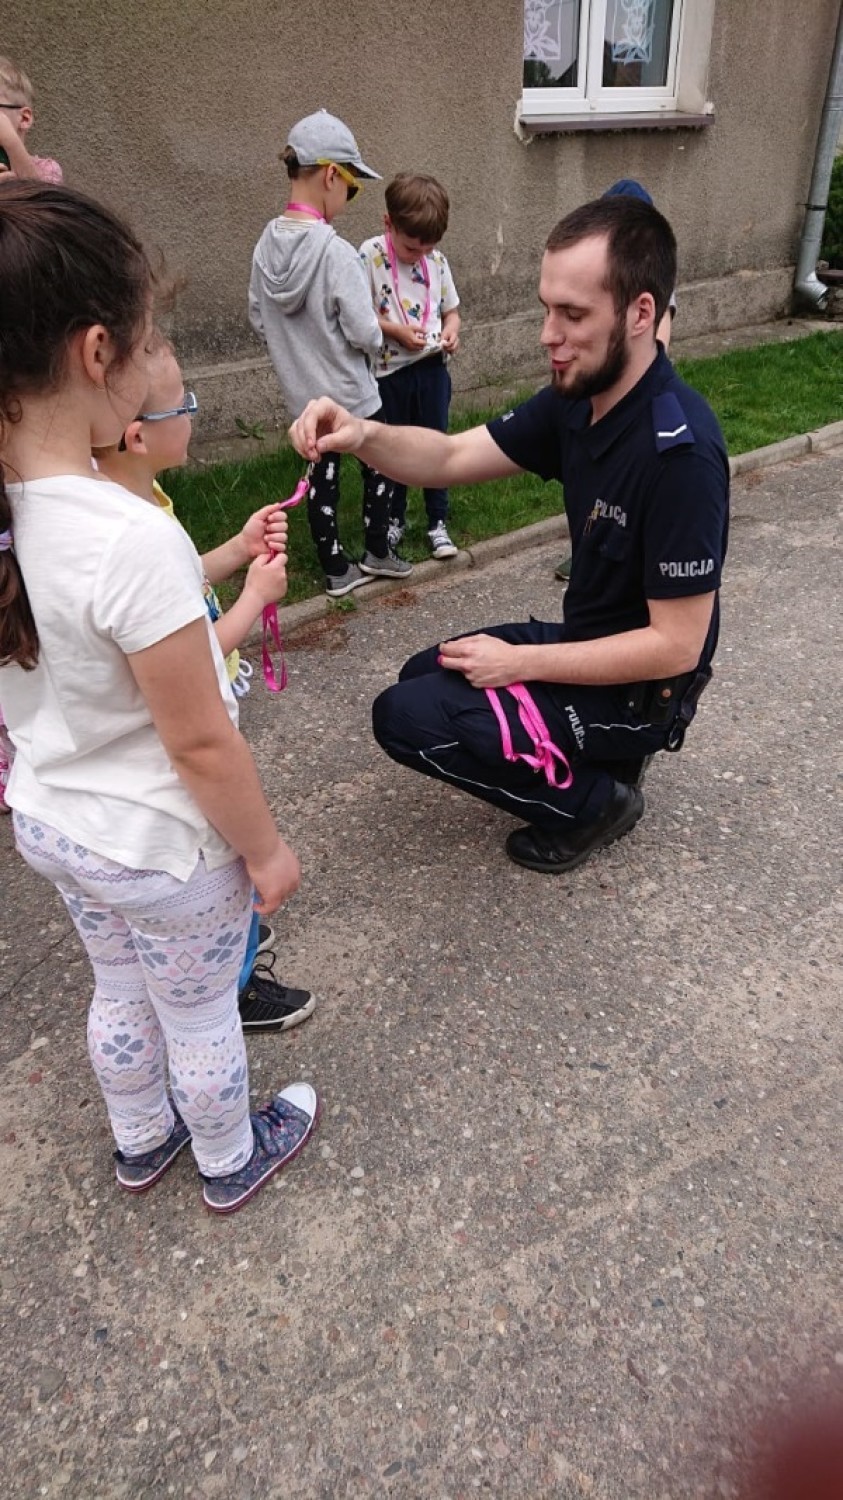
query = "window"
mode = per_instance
[{"x": 595, "y": 62}]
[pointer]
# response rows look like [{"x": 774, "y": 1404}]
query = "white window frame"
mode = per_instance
[{"x": 589, "y": 103}]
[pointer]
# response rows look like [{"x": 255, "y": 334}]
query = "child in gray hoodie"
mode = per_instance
[{"x": 310, "y": 302}]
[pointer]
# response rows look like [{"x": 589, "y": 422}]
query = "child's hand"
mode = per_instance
[
  {"x": 450, "y": 340},
  {"x": 275, "y": 879},
  {"x": 275, "y": 535},
  {"x": 265, "y": 531},
  {"x": 267, "y": 577},
  {"x": 411, "y": 336}
]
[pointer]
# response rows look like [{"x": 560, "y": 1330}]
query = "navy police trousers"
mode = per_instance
[{"x": 435, "y": 722}]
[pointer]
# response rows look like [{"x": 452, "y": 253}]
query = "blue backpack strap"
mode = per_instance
[{"x": 671, "y": 427}]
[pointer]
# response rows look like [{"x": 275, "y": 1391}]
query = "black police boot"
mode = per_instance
[
  {"x": 556, "y": 853},
  {"x": 630, "y": 771}
]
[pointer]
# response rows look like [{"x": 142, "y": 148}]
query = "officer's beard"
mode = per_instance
[{"x": 593, "y": 383}]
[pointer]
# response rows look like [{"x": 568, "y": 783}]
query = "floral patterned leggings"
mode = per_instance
[{"x": 166, "y": 956}]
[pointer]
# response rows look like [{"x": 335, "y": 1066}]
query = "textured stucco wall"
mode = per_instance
[{"x": 175, "y": 113}]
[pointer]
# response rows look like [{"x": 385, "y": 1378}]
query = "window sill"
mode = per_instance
[{"x": 568, "y": 125}]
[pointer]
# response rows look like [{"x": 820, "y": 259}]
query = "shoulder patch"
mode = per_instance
[{"x": 671, "y": 427}]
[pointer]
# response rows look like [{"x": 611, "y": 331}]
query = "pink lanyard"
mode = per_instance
[
  {"x": 305, "y": 208},
  {"x": 271, "y": 631},
  {"x": 528, "y": 713},
  {"x": 393, "y": 267}
]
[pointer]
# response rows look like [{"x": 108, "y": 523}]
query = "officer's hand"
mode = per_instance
[
  {"x": 325, "y": 427},
  {"x": 483, "y": 660}
]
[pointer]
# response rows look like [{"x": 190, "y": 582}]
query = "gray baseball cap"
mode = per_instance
[{"x": 322, "y": 138}]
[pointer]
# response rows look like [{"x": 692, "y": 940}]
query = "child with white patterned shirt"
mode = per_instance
[{"x": 416, "y": 303}]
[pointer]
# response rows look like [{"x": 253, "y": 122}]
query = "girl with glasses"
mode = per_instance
[{"x": 158, "y": 440}]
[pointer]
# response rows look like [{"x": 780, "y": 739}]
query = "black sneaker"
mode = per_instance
[
  {"x": 266, "y": 1005},
  {"x": 556, "y": 853}
]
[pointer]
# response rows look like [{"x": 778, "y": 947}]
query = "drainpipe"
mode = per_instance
[{"x": 807, "y": 284}]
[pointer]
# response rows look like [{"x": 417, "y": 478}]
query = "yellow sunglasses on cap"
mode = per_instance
[{"x": 351, "y": 182}]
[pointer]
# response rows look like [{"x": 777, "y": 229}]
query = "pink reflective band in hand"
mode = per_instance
[
  {"x": 298, "y": 493},
  {"x": 271, "y": 631},
  {"x": 393, "y": 267},
  {"x": 531, "y": 719},
  {"x": 276, "y": 684}
]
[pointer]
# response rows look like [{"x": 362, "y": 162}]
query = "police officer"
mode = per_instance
[{"x": 646, "y": 480}]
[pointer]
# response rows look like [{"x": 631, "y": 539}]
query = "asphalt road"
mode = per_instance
[{"x": 571, "y": 1224}]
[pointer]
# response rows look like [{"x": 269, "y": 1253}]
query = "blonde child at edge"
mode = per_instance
[
  {"x": 156, "y": 440},
  {"x": 16, "y": 120},
  {"x": 132, "y": 790}
]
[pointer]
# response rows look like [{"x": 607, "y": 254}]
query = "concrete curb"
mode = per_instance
[{"x": 552, "y": 529}]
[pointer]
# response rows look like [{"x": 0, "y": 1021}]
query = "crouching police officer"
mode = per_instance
[{"x": 646, "y": 480}]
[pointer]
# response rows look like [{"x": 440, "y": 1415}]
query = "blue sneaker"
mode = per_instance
[
  {"x": 137, "y": 1173},
  {"x": 281, "y": 1128}
]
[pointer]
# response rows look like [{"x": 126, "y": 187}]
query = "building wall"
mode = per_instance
[{"x": 175, "y": 114}]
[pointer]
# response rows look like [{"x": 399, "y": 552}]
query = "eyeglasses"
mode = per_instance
[
  {"x": 352, "y": 183},
  {"x": 12, "y": 106},
  {"x": 190, "y": 408}
]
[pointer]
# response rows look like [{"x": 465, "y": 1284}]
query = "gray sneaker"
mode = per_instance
[
  {"x": 390, "y": 566},
  {"x": 336, "y": 585},
  {"x": 395, "y": 535},
  {"x": 440, "y": 543}
]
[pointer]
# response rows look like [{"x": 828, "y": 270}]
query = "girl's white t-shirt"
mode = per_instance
[{"x": 106, "y": 574}]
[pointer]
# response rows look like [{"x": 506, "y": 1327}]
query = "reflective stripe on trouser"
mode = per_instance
[
  {"x": 435, "y": 722},
  {"x": 166, "y": 956}
]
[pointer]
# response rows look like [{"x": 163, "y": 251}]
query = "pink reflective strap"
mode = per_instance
[
  {"x": 298, "y": 493},
  {"x": 393, "y": 267},
  {"x": 276, "y": 682},
  {"x": 528, "y": 713},
  {"x": 305, "y": 208},
  {"x": 506, "y": 737}
]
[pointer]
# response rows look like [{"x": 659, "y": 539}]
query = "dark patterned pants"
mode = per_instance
[{"x": 323, "y": 498}]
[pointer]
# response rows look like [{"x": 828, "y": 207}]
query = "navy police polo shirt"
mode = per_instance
[{"x": 646, "y": 495}]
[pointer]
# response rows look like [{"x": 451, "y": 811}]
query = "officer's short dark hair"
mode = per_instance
[{"x": 641, "y": 247}]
